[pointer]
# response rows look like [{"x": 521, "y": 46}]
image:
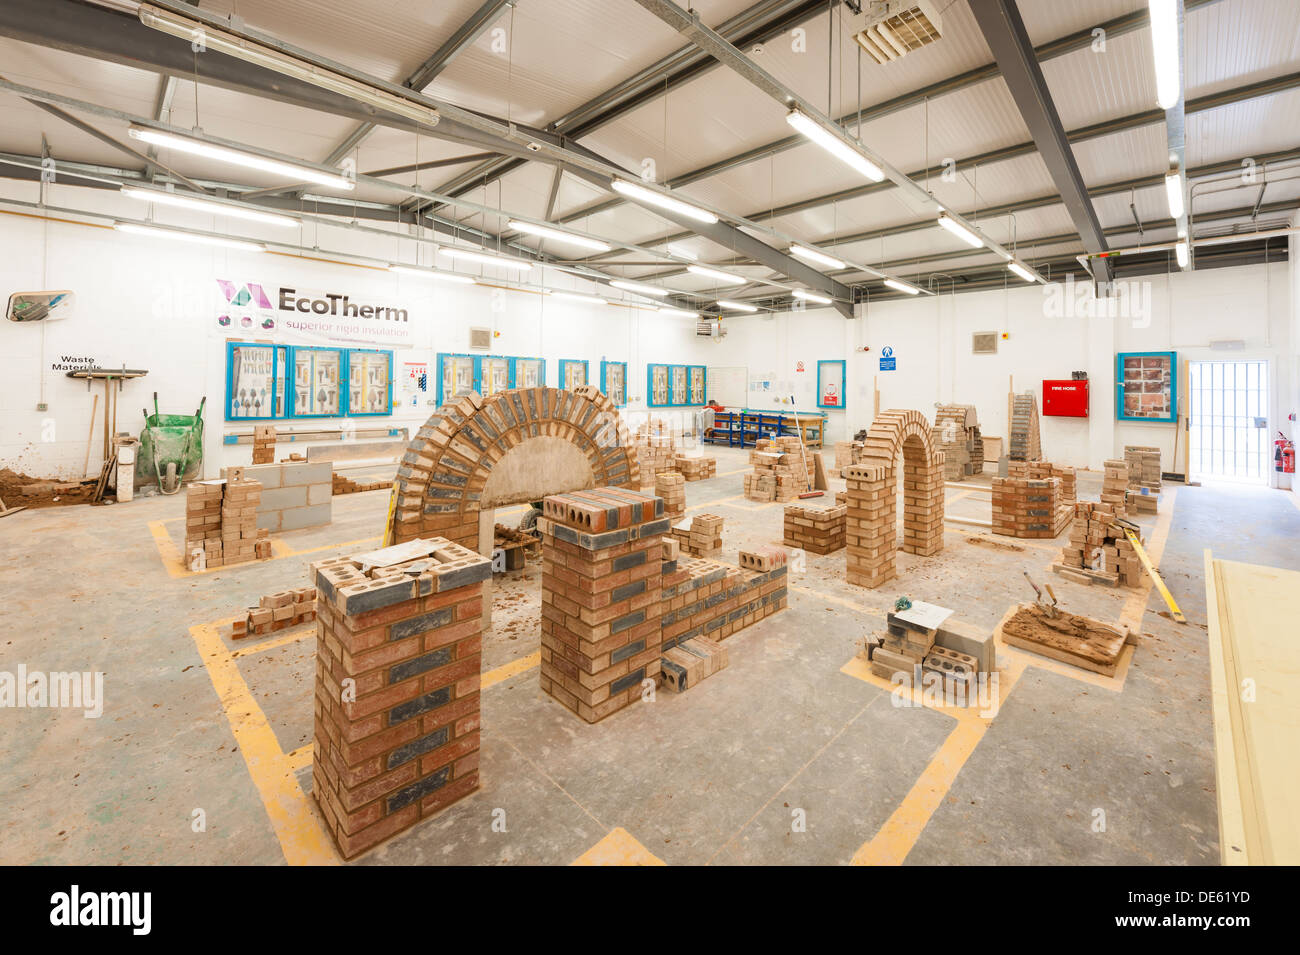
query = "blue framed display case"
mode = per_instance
[
  {"x": 830, "y": 383},
  {"x": 613, "y": 381},
  {"x": 573, "y": 373},
  {"x": 675, "y": 386},
  {"x": 527, "y": 372},
  {"x": 1146, "y": 386},
  {"x": 269, "y": 382}
]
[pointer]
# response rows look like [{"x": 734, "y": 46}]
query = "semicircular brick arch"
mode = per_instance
[
  {"x": 519, "y": 445},
  {"x": 872, "y": 487}
]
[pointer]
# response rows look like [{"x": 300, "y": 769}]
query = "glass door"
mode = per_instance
[{"x": 1228, "y": 428}]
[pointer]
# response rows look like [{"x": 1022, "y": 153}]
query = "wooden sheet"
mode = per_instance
[{"x": 1254, "y": 637}]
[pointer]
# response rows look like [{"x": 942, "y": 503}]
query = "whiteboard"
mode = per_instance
[{"x": 729, "y": 386}]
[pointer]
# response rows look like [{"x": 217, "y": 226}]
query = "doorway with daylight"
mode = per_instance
[{"x": 1228, "y": 426}]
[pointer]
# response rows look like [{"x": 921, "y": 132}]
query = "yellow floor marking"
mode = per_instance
[
  {"x": 303, "y": 840},
  {"x": 513, "y": 668},
  {"x": 958, "y": 496},
  {"x": 897, "y": 837},
  {"x": 618, "y": 848},
  {"x": 170, "y": 554},
  {"x": 300, "y": 758},
  {"x": 721, "y": 500}
]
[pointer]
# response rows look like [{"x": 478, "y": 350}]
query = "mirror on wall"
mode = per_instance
[{"x": 39, "y": 306}]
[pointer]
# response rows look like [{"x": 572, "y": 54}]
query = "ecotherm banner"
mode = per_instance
[{"x": 331, "y": 315}]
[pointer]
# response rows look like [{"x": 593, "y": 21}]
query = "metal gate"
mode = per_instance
[{"x": 1229, "y": 420}]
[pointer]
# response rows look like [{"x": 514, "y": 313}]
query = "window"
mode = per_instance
[
  {"x": 281, "y": 382},
  {"x": 573, "y": 373},
  {"x": 613, "y": 381}
]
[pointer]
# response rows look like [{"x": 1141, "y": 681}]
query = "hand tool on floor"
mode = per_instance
[
  {"x": 798, "y": 429},
  {"x": 6, "y": 510},
  {"x": 1048, "y": 607},
  {"x": 1131, "y": 531}
]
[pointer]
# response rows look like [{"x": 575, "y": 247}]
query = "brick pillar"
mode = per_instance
[
  {"x": 922, "y": 502},
  {"x": 400, "y": 742},
  {"x": 870, "y": 532},
  {"x": 602, "y": 555}
]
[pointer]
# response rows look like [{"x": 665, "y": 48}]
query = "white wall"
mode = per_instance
[{"x": 153, "y": 304}]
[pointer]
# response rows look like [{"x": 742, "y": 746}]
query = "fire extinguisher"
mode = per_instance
[{"x": 1284, "y": 454}]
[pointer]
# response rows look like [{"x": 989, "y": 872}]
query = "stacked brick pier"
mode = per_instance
[
  {"x": 602, "y": 582},
  {"x": 397, "y": 688},
  {"x": 871, "y": 525},
  {"x": 815, "y": 528}
]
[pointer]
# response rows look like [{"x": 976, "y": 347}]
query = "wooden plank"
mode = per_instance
[{"x": 1254, "y": 659}]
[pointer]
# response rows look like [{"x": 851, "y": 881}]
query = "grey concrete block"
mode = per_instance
[
  {"x": 297, "y": 474},
  {"x": 268, "y": 475},
  {"x": 268, "y": 520},
  {"x": 295, "y": 517},
  {"x": 279, "y": 498},
  {"x": 969, "y": 639},
  {"x": 319, "y": 493}
]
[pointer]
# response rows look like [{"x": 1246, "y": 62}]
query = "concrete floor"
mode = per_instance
[{"x": 791, "y": 755}]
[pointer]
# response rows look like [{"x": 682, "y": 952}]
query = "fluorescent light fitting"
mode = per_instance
[
  {"x": 641, "y": 193},
  {"x": 559, "y": 235},
  {"x": 286, "y": 64},
  {"x": 640, "y": 288},
  {"x": 736, "y": 306},
  {"x": 156, "y": 232},
  {"x": 432, "y": 274},
  {"x": 1165, "y": 52},
  {"x": 726, "y": 278},
  {"x": 834, "y": 145},
  {"x": 902, "y": 287},
  {"x": 1174, "y": 194},
  {"x": 1182, "y": 253},
  {"x": 237, "y": 157},
  {"x": 816, "y": 255},
  {"x": 1021, "y": 271},
  {"x": 579, "y": 297},
  {"x": 677, "y": 312},
  {"x": 486, "y": 258},
  {"x": 681, "y": 253},
  {"x": 808, "y": 296},
  {"x": 960, "y": 231},
  {"x": 207, "y": 205}
]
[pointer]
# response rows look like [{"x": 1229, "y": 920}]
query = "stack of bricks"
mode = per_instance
[
  {"x": 780, "y": 470},
  {"x": 847, "y": 453},
  {"x": 221, "y": 523},
  {"x": 343, "y": 485},
  {"x": 1098, "y": 549},
  {"x": 696, "y": 469},
  {"x": 956, "y": 432},
  {"x": 816, "y": 528},
  {"x": 264, "y": 444},
  {"x": 671, "y": 486},
  {"x": 870, "y": 525},
  {"x": 1114, "y": 485},
  {"x": 691, "y": 661},
  {"x": 277, "y": 611},
  {"x": 906, "y": 646},
  {"x": 239, "y": 533},
  {"x": 1144, "y": 479},
  {"x": 1042, "y": 470},
  {"x": 404, "y": 638},
  {"x": 701, "y": 536},
  {"x": 656, "y": 450},
  {"x": 1025, "y": 443},
  {"x": 1030, "y": 507},
  {"x": 763, "y": 559},
  {"x": 706, "y": 598},
  {"x": 602, "y": 574}
]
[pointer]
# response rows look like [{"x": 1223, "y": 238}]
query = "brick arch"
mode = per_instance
[
  {"x": 540, "y": 441},
  {"x": 873, "y": 485}
]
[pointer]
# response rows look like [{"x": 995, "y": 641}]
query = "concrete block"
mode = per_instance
[
  {"x": 280, "y": 498},
  {"x": 319, "y": 493},
  {"x": 307, "y": 473},
  {"x": 293, "y": 518},
  {"x": 969, "y": 639},
  {"x": 268, "y": 475},
  {"x": 270, "y": 521}
]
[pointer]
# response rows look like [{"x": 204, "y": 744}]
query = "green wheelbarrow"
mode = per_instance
[{"x": 171, "y": 447}]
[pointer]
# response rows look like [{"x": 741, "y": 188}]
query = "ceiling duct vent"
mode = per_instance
[
  {"x": 480, "y": 338},
  {"x": 710, "y": 328},
  {"x": 984, "y": 343},
  {"x": 890, "y": 30}
]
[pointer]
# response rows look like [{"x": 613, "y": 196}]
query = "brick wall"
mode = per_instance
[
  {"x": 1030, "y": 507},
  {"x": 816, "y": 528},
  {"x": 398, "y": 657},
  {"x": 294, "y": 494}
]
